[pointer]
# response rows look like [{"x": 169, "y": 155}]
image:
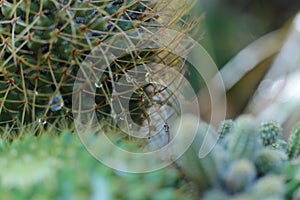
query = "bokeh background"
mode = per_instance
[{"x": 255, "y": 44}]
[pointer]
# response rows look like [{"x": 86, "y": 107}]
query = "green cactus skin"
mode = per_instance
[
  {"x": 225, "y": 128},
  {"x": 43, "y": 44},
  {"x": 240, "y": 175},
  {"x": 293, "y": 147},
  {"x": 41, "y": 51},
  {"x": 269, "y": 132},
  {"x": 269, "y": 161},
  {"x": 244, "y": 140},
  {"x": 291, "y": 173}
]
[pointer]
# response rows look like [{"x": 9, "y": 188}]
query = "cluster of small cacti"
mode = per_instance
[
  {"x": 248, "y": 161},
  {"x": 44, "y": 42}
]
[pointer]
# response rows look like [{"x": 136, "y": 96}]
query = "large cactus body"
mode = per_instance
[
  {"x": 293, "y": 148},
  {"x": 42, "y": 47},
  {"x": 43, "y": 43}
]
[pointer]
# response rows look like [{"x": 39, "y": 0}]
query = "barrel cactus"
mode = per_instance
[
  {"x": 44, "y": 42},
  {"x": 269, "y": 132}
]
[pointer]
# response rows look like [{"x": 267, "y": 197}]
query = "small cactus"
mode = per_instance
[
  {"x": 240, "y": 175},
  {"x": 293, "y": 147},
  {"x": 269, "y": 132},
  {"x": 269, "y": 160},
  {"x": 225, "y": 128},
  {"x": 244, "y": 140}
]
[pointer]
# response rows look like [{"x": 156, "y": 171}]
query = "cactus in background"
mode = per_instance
[
  {"x": 203, "y": 172},
  {"x": 271, "y": 186},
  {"x": 247, "y": 169},
  {"x": 269, "y": 132},
  {"x": 291, "y": 172},
  {"x": 241, "y": 174},
  {"x": 269, "y": 161},
  {"x": 243, "y": 141},
  {"x": 293, "y": 146},
  {"x": 225, "y": 128},
  {"x": 43, "y": 43}
]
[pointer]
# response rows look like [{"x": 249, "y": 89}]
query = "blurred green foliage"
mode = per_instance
[
  {"x": 59, "y": 167},
  {"x": 230, "y": 25}
]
